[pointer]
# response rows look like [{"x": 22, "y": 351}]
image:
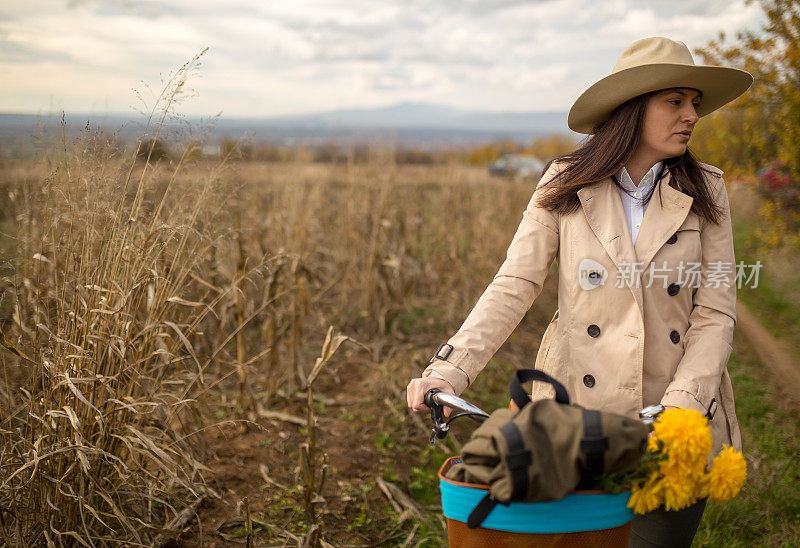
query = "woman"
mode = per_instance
[{"x": 642, "y": 231}]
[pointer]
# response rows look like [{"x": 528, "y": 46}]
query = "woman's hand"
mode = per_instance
[{"x": 417, "y": 388}]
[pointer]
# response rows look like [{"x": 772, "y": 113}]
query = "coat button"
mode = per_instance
[
  {"x": 673, "y": 289},
  {"x": 588, "y": 380},
  {"x": 673, "y": 238},
  {"x": 593, "y": 331},
  {"x": 674, "y": 336}
]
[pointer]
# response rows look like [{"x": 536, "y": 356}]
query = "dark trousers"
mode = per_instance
[{"x": 662, "y": 529}]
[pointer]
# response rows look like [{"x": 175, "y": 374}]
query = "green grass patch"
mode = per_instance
[
  {"x": 768, "y": 300},
  {"x": 772, "y": 310},
  {"x": 767, "y": 511},
  {"x": 419, "y": 319}
]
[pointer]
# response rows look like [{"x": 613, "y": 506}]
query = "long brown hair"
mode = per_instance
[{"x": 610, "y": 146}]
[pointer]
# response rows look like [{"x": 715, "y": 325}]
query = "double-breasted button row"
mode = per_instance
[
  {"x": 674, "y": 336},
  {"x": 594, "y": 331}
]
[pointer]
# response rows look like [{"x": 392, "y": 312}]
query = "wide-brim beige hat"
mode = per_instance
[{"x": 651, "y": 64}]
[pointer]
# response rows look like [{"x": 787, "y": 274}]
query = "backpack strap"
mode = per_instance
[
  {"x": 593, "y": 444},
  {"x": 481, "y": 511},
  {"x": 517, "y": 459},
  {"x": 520, "y": 395}
]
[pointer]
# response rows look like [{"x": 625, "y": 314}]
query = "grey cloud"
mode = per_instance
[
  {"x": 483, "y": 7},
  {"x": 687, "y": 7},
  {"x": 410, "y": 38},
  {"x": 22, "y": 54},
  {"x": 330, "y": 26},
  {"x": 464, "y": 49},
  {"x": 147, "y": 9},
  {"x": 348, "y": 54}
]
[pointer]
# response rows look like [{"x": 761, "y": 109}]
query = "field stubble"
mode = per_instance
[{"x": 149, "y": 310}]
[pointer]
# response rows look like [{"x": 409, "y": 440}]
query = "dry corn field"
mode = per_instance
[{"x": 215, "y": 353}]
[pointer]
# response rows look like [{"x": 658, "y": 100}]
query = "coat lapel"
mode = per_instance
[
  {"x": 665, "y": 213},
  {"x": 661, "y": 219}
]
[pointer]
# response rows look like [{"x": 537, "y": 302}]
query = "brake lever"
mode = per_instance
[{"x": 440, "y": 427}]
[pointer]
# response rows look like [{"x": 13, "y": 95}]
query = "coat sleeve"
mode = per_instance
[
  {"x": 709, "y": 339},
  {"x": 507, "y": 298}
]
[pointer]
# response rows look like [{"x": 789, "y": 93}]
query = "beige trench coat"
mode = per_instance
[{"x": 635, "y": 326}]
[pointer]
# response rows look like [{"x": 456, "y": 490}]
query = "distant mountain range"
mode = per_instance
[
  {"x": 422, "y": 125},
  {"x": 426, "y": 115}
]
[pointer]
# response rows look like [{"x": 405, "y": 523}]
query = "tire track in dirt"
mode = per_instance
[{"x": 778, "y": 360}]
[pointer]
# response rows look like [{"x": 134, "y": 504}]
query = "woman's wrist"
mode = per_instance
[{"x": 437, "y": 375}]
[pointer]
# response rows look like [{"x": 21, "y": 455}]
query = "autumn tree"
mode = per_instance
[
  {"x": 550, "y": 146},
  {"x": 482, "y": 155},
  {"x": 760, "y": 131},
  {"x": 234, "y": 149},
  {"x": 763, "y": 124},
  {"x": 154, "y": 149}
]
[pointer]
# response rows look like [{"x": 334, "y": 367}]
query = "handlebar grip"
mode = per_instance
[{"x": 429, "y": 400}]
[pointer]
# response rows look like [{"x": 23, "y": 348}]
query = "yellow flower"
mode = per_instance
[
  {"x": 679, "y": 491},
  {"x": 685, "y": 433},
  {"x": 727, "y": 475},
  {"x": 677, "y": 481},
  {"x": 685, "y": 437},
  {"x": 646, "y": 494},
  {"x": 685, "y": 470}
]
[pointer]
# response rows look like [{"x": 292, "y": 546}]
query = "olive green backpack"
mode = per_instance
[{"x": 545, "y": 449}]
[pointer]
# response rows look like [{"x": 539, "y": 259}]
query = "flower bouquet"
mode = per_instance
[{"x": 674, "y": 471}]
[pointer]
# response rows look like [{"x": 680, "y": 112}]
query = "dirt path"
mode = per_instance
[{"x": 776, "y": 356}]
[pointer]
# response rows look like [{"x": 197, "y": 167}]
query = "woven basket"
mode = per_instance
[{"x": 582, "y": 519}]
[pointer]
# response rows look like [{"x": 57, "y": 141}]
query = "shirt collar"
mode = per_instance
[{"x": 648, "y": 181}]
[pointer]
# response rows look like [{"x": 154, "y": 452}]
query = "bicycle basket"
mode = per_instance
[{"x": 581, "y": 519}]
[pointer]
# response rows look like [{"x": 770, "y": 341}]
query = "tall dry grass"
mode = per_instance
[
  {"x": 109, "y": 291},
  {"x": 143, "y": 292}
]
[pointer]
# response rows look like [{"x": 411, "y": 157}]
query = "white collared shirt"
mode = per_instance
[{"x": 633, "y": 206}]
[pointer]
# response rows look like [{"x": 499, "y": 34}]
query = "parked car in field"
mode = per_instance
[{"x": 517, "y": 165}]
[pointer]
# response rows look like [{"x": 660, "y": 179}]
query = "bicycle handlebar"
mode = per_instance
[
  {"x": 436, "y": 396},
  {"x": 437, "y": 400}
]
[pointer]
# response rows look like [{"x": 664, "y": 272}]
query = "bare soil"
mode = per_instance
[{"x": 777, "y": 357}]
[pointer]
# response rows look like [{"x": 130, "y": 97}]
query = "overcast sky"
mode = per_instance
[{"x": 298, "y": 56}]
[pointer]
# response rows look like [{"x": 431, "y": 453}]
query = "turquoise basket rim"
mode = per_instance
[{"x": 574, "y": 513}]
